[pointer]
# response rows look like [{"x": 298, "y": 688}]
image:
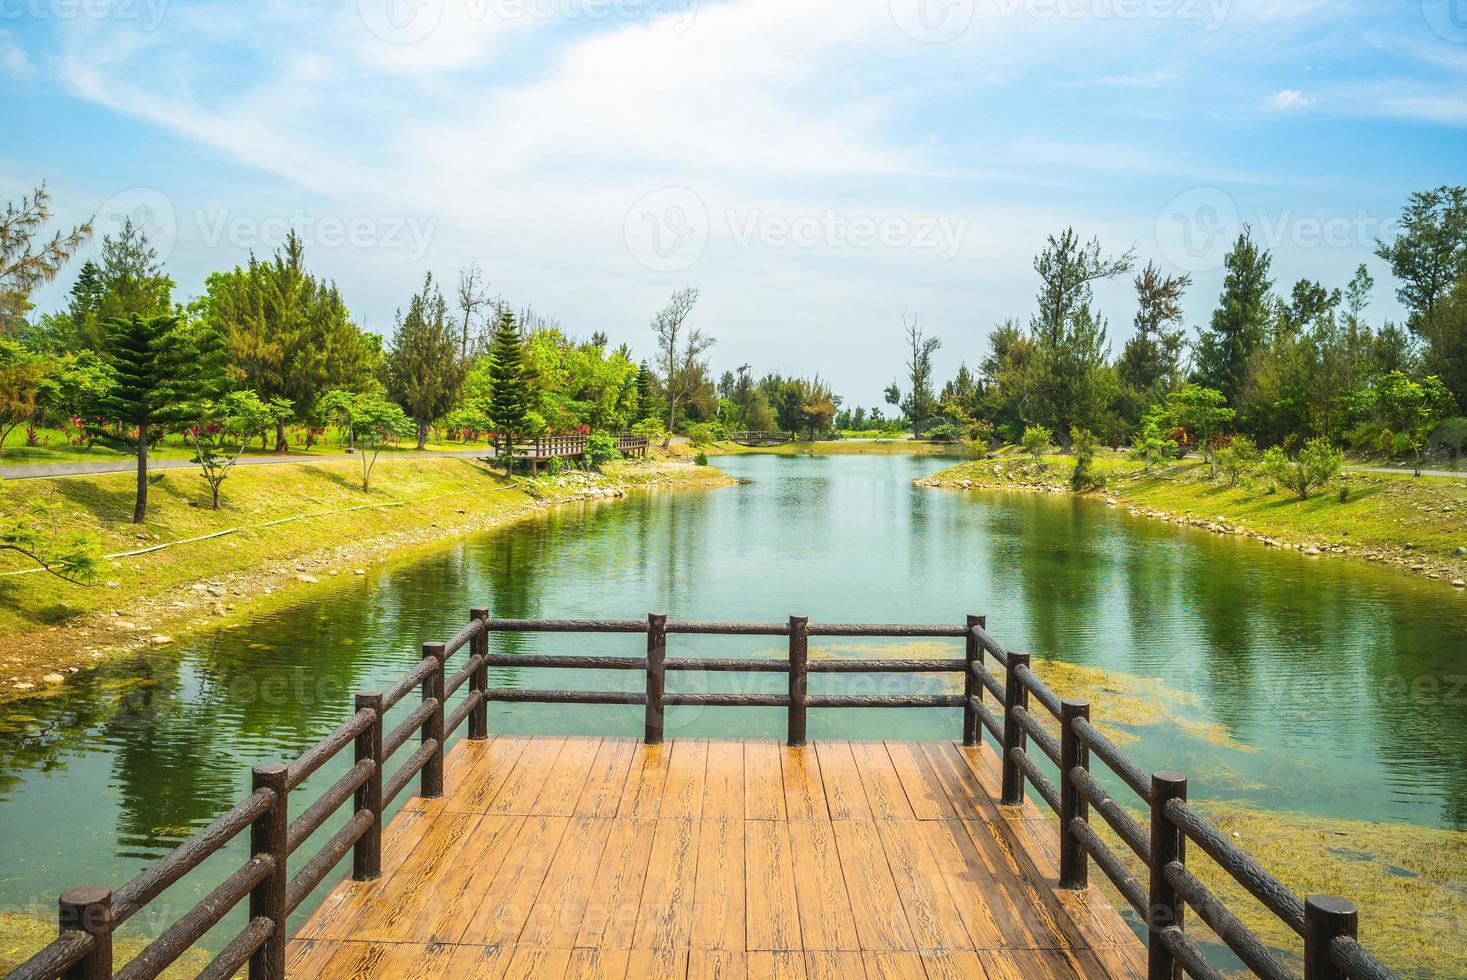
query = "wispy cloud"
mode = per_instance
[
  {"x": 1292, "y": 100},
  {"x": 13, "y": 59}
]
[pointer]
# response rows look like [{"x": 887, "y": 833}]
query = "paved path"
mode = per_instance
[
  {"x": 1459, "y": 474},
  {"x": 38, "y": 471},
  {"x": 35, "y": 471}
]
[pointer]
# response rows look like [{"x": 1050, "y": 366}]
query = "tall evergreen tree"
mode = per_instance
[
  {"x": 509, "y": 392},
  {"x": 160, "y": 367},
  {"x": 424, "y": 367},
  {"x": 1151, "y": 360},
  {"x": 646, "y": 398},
  {"x": 1239, "y": 324},
  {"x": 1069, "y": 377},
  {"x": 289, "y": 335},
  {"x": 132, "y": 280}
]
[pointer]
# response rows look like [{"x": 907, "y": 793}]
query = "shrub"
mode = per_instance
[
  {"x": 701, "y": 459},
  {"x": 649, "y": 429},
  {"x": 1236, "y": 459},
  {"x": 944, "y": 432},
  {"x": 702, "y": 434},
  {"x": 1036, "y": 440},
  {"x": 601, "y": 447},
  {"x": 1082, "y": 444},
  {"x": 555, "y": 466},
  {"x": 1314, "y": 466}
]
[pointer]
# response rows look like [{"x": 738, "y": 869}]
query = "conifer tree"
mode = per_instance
[
  {"x": 1238, "y": 326},
  {"x": 160, "y": 368},
  {"x": 509, "y": 385},
  {"x": 288, "y": 334},
  {"x": 425, "y": 369}
]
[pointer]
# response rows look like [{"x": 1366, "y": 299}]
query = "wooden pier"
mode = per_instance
[
  {"x": 600, "y": 857},
  {"x": 578, "y": 857},
  {"x": 756, "y": 439}
]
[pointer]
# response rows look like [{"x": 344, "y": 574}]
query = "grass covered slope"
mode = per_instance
[
  {"x": 1418, "y": 523},
  {"x": 328, "y": 527}
]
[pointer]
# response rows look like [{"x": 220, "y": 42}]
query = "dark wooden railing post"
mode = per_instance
[
  {"x": 656, "y": 674},
  {"x": 1015, "y": 695},
  {"x": 1074, "y": 754},
  {"x": 799, "y": 662},
  {"x": 430, "y": 783},
  {"x": 972, "y": 687},
  {"x": 1168, "y": 844},
  {"x": 1326, "y": 917},
  {"x": 269, "y": 837},
  {"x": 479, "y": 679},
  {"x": 88, "y": 908},
  {"x": 366, "y": 857}
]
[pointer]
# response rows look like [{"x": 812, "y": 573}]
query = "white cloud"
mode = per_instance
[
  {"x": 1291, "y": 99},
  {"x": 13, "y": 59}
]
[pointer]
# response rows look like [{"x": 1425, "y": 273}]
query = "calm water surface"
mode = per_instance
[{"x": 1340, "y": 687}]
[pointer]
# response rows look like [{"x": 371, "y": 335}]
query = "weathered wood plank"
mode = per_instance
[
  {"x": 876, "y": 904},
  {"x": 611, "y": 912},
  {"x": 834, "y": 965},
  {"x": 682, "y": 793},
  {"x": 607, "y": 778},
  {"x": 666, "y": 911},
  {"x": 826, "y": 920},
  {"x": 804, "y": 792},
  {"x": 555, "y": 919},
  {"x": 844, "y": 794},
  {"x": 641, "y": 798},
  {"x": 566, "y": 780},
  {"x": 925, "y": 794},
  {"x": 763, "y": 782},
  {"x": 884, "y": 790},
  {"x": 718, "y": 892},
  {"x": 931, "y": 912},
  {"x": 723, "y": 783},
  {"x": 773, "y": 920},
  {"x": 505, "y": 905}
]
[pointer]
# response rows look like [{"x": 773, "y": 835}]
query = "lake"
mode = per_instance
[{"x": 1293, "y": 683}]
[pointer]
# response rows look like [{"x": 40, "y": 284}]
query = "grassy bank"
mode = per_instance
[
  {"x": 327, "y": 527},
  {"x": 1417, "y": 523}
]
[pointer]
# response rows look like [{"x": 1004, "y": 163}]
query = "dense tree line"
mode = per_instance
[
  {"x": 271, "y": 352},
  {"x": 1279, "y": 365}
]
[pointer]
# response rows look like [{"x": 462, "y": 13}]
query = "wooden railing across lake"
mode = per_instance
[
  {"x": 945, "y": 786},
  {"x": 540, "y": 449},
  {"x": 760, "y": 438}
]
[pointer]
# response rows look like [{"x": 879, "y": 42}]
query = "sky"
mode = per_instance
[{"x": 820, "y": 169}]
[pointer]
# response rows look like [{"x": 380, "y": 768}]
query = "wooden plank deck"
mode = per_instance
[{"x": 602, "y": 857}]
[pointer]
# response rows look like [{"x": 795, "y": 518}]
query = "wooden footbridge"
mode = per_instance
[
  {"x": 607, "y": 857},
  {"x": 542, "y": 449},
  {"x": 757, "y": 439}
]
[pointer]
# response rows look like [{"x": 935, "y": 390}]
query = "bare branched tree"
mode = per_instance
[
  {"x": 473, "y": 297},
  {"x": 679, "y": 353}
]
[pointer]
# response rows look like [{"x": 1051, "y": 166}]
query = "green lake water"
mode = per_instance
[{"x": 1341, "y": 688}]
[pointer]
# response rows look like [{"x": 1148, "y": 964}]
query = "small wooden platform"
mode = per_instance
[{"x": 602, "y": 857}]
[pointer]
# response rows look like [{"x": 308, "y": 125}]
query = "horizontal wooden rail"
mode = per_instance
[{"x": 90, "y": 914}]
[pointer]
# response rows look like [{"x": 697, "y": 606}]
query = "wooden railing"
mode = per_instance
[
  {"x": 90, "y": 914},
  {"x": 760, "y": 438},
  {"x": 552, "y": 447}
]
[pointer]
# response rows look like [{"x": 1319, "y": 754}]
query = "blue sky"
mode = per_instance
[{"x": 818, "y": 167}]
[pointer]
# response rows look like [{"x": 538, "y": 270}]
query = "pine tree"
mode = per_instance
[
  {"x": 646, "y": 407},
  {"x": 1239, "y": 323},
  {"x": 509, "y": 391},
  {"x": 288, "y": 333},
  {"x": 86, "y": 306},
  {"x": 28, "y": 261},
  {"x": 160, "y": 368},
  {"x": 132, "y": 280},
  {"x": 425, "y": 369}
]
